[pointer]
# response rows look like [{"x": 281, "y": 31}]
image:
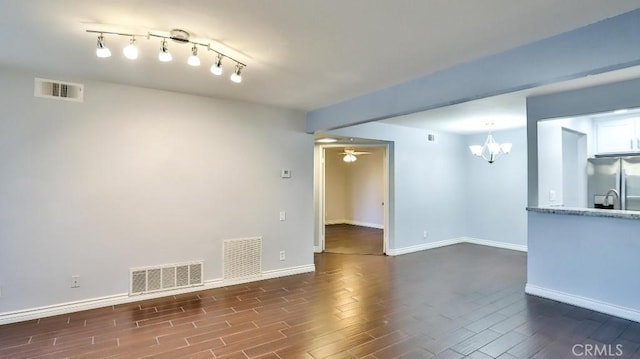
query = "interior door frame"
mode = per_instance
[{"x": 320, "y": 190}]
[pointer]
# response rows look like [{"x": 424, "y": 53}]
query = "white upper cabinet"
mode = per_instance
[{"x": 618, "y": 136}]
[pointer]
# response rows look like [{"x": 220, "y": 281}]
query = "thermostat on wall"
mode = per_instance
[{"x": 285, "y": 173}]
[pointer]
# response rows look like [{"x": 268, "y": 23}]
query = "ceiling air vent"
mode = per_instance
[{"x": 59, "y": 90}]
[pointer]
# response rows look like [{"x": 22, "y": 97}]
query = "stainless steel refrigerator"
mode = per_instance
[{"x": 614, "y": 183}]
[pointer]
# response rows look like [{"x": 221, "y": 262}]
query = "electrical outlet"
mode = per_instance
[
  {"x": 283, "y": 255},
  {"x": 283, "y": 215},
  {"x": 75, "y": 281},
  {"x": 552, "y": 196},
  {"x": 424, "y": 235},
  {"x": 0, "y": 292}
]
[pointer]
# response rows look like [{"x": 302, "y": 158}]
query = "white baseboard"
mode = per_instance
[
  {"x": 353, "y": 223},
  {"x": 93, "y": 303},
  {"x": 503, "y": 245},
  {"x": 423, "y": 247},
  {"x": 448, "y": 242},
  {"x": 334, "y": 221},
  {"x": 588, "y": 303}
]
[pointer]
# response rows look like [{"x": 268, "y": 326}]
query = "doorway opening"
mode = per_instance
[
  {"x": 351, "y": 197},
  {"x": 574, "y": 168}
]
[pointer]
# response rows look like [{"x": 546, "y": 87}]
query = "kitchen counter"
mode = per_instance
[{"x": 589, "y": 212}]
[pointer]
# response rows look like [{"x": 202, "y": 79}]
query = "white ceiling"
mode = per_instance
[{"x": 300, "y": 54}]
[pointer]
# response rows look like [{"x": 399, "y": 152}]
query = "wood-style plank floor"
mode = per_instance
[
  {"x": 349, "y": 239},
  {"x": 450, "y": 302}
]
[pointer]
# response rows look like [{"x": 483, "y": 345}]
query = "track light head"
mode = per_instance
[
  {"x": 216, "y": 68},
  {"x": 164, "y": 55},
  {"x": 131, "y": 50},
  {"x": 194, "y": 60},
  {"x": 101, "y": 50},
  {"x": 236, "y": 76}
]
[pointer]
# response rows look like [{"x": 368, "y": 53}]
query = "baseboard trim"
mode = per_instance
[
  {"x": 354, "y": 223},
  {"x": 334, "y": 221},
  {"x": 317, "y": 249},
  {"x": 448, "y": 242},
  {"x": 423, "y": 247},
  {"x": 588, "y": 303},
  {"x": 123, "y": 298},
  {"x": 484, "y": 242}
]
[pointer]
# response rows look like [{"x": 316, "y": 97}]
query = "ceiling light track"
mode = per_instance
[{"x": 177, "y": 35}]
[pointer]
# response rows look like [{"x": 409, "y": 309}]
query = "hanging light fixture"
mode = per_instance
[
  {"x": 164, "y": 55},
  {"x": 236, "y": 76},
  {"x": 349, "y": 157},
  {"x": 491, "y": 149},
  {"x": 216, "y": 68},
  {"x": 177, "y": 35},
  {"x": 131, "y": 50},
  {"x": 101, "y": 50},
  {"x": 194, "y": 60}
]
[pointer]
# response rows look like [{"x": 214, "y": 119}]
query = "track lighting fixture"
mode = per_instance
[
  {"x": 194, "y": 60},
  {"x": 164, "y": 55},
  {"x": 131, "y": 50},
  {"x": 236, "y": 76},
  {"x": 101, "y": 50},
  {"x": 177, "y": 35},
  {"x": 216, "y": 68}
]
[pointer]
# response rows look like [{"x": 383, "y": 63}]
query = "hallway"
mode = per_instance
[{"x": 349, "y": 239}]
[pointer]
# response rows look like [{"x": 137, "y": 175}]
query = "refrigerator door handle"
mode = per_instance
[{"x": 623, "y": 190}]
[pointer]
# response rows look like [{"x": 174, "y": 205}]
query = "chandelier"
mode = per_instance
[
  {"x": 491, "y": 149},
  {"x": 164, "y": 55}
]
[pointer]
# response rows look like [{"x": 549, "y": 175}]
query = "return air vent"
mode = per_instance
[
  {"x": 165, "y": 277},
  {"x": 59, "y": 90},
  {"x": 242, "y": 258}
]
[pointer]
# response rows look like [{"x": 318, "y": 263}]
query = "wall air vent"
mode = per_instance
[
  {"x": 160, "y": 278},
  {"x": 242, "y": 258},
  {"x": 59, "y": 90}
]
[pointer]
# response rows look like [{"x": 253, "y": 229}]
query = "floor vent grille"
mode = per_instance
[
  {"x": 59, "y": 90},
  {"x": 165, "y": 277},
  {"x": 242, "y": 258}
]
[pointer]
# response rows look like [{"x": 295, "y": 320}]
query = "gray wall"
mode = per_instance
[
  {"x": 443, "y": 189},
  {"x": 426, "y": 183},
  {"x": 137, "y": 177},
  {"x": 588, "y": 259},
  {"x": 496, "y": 196}
]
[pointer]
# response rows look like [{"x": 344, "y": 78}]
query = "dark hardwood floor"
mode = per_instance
[
  {"x": 349, "y": 239},
  {"x": 450, "y": 302}
]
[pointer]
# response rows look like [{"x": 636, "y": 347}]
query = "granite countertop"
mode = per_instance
[{"x": 590, "y": 212}]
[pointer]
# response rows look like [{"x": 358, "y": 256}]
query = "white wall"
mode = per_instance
[
  {"x": 496, "y": 193},
  {"x": 366, "y": 189},
  {"x": 336, "y": 187},
  {"x": 354, "y": 191},
  {"x": 137, "y": 177},
  {"x": 426, "y": 183},
  {"x": 550, "y": 161}
]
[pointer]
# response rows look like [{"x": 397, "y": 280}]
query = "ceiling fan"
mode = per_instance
[{"x": 350, "y": 154}]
